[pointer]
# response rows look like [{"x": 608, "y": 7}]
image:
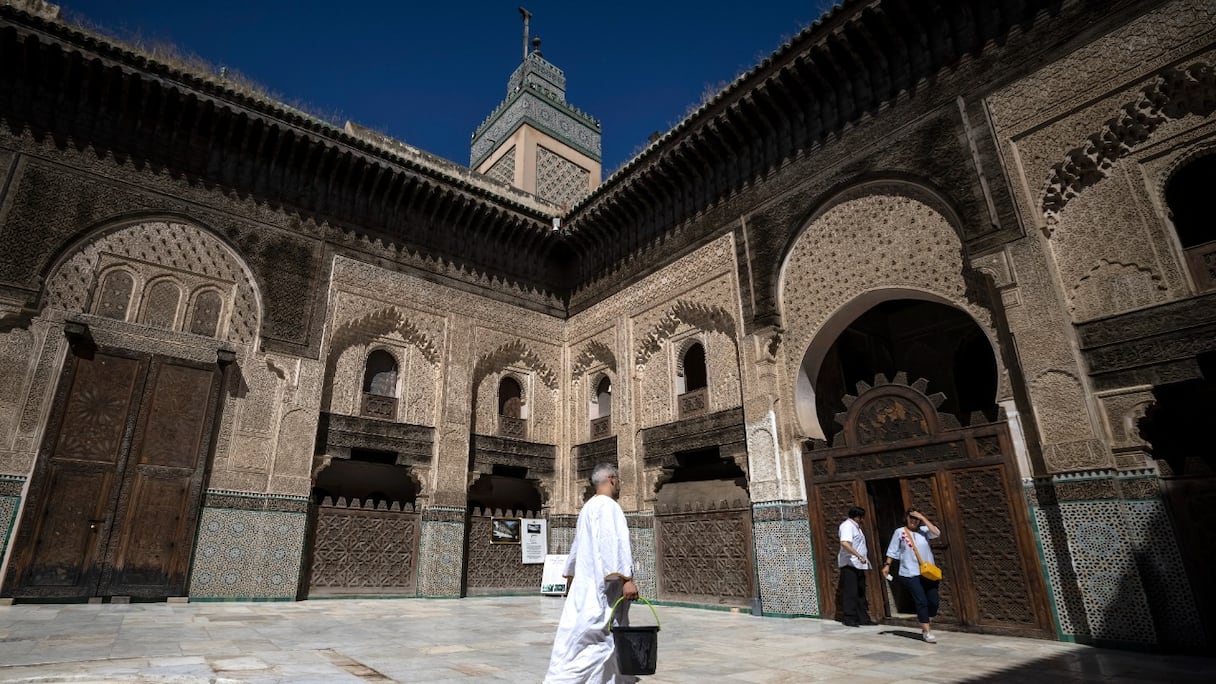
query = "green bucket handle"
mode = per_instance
[{"x": 608, "y": 627}]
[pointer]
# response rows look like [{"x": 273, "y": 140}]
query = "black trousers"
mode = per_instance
[{"x": 853, "y": 601}]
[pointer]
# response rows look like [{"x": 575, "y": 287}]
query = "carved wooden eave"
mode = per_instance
[
  {"x": 858, "y": 60},
  {"x": 85, "y": 91}
]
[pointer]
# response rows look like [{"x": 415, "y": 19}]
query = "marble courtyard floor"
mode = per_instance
[{"x": 507, "y": 639}]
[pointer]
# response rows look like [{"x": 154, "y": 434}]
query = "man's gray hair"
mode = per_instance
[{"x": 602, "y": 472}]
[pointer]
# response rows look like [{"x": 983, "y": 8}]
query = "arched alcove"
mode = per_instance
[
  {"x": 506, "y": 488},
  {"x": 893, "y": 330},
  {"x": 510, "y": 398},
  {"x": 380, "y": 374},
  {"x": 692, "y": 367},
  {"x": 1187, "y": 197}
]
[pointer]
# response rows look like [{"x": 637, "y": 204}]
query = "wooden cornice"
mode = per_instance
[
  {"x": 89, "y": 92},
  {"x": 858, "y": 59}
]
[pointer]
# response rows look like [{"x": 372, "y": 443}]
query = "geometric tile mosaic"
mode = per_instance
[
  {"x": 785, "y": 561},
  {"x": 641, "y": 542},
  {"x": 1159, "y": 562},
  {"x": 246, "y": 554},
  {"x": 1115, "y": 573},
  {"x": 441, "y": 552},
  {"x": 8, "y": 518}
]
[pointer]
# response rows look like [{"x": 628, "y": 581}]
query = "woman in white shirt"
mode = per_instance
[{"x": 917, "y": 530}]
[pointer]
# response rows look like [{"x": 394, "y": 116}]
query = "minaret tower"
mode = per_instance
[{"x": 535, "y": 140}]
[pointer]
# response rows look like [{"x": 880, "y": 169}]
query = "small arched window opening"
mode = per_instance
[
  {"x": 1188, "y": 197},
  {"x": 694, "y": 399},
  {"x": 695, "y": 375},
  {"x": 380, "y": 385},
  {"x": 511, "y": 418},
  {"x": 160, "y": 305},
  {"x": 115, "y": 295},
  {"x": 205, "y": 320},
  {"x": 601, "y": 409}
]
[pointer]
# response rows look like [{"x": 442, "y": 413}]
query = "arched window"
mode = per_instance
[
  {"x": 115, "y": 295},
  {"x": 694, "y": 399},
  {"x": 600, "y": 411},
  {"x": 380, "y": 385},
  {"x": 603, "y": 396},
  {"x": 511, "y": 418},
  {"x": 160, "y": 305},
  {"x": 205, "y": 319},
  {"x": 1187, "y": 196},
  {"x": 380, "y": 374},
  {"x": 510, "y": 398}
]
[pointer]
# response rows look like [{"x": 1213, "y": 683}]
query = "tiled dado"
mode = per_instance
[
  {"x": 1112, "y": 562},
  {"x": 561, "y": 532},
  {"x": 641, "y": 543},
  {"x": 441, "y": 552},
  {"x": 249, "y": 547},
  {"x": 10, "y": 502},
  {"x": 785, "y": 561}
]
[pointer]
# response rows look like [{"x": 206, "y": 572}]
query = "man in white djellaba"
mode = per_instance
[{"x": 599, "y": 570}]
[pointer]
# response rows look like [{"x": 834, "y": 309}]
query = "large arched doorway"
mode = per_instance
[
  {"x": 155, "y": 314},
  {"x": 905, "y": 396}
]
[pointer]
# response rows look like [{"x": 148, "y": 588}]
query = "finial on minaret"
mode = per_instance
[
  {"x": 536, "y": 46},
  {"x": 526, "y": 15}
]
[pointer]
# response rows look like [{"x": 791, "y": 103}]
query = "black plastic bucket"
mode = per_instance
[{"x": 637, "y": 648}]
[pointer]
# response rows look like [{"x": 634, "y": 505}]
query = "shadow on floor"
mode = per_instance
[
  {"x": 1105, "y": 665},
  {"x": 905, "y": 633}
]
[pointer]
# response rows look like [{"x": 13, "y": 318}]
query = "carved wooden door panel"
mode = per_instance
[
  {"x": 149, "y": 550},
  {"x": 59, "y": 548},
  {"x": 997, "y": 575},
  {"x": 116, "y": 491},
  {"x": 830, "y": 504},
  {"x": 924, "y": 493},
  {"x": 896, "y": 448}
]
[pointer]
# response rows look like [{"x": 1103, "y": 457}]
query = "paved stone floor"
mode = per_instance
[{"x": 508, "y": 639}]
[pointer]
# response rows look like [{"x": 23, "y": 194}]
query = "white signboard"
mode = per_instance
[
  {"x": 534, "y": 540},
  {"x": 551, "y": 580}
]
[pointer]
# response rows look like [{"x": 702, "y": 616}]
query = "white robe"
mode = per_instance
[{"x": 600, "y": 561}]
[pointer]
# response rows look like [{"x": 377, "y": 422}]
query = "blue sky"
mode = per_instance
[{"x": 429, "y": 72}]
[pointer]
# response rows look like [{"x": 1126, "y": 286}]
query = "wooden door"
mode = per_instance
[
  {"x": 116, "y": 489},
  {"x": 895, "y": 447},
  {"x": 148, "y": 554}
]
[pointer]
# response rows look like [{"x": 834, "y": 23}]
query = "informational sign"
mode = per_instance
[
  {"x": 534, "y": 541},
  {"x": 551, "y": 580}
]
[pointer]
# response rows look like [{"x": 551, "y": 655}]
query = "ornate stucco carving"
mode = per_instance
[
  {"x": 154, "y": 250},
  {"x": 1113, "y": 288},
  {"x": 870, "y": 243},
  {"x": 1173, "y": 94}
]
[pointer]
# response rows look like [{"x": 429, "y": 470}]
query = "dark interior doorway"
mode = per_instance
[
  {"x": 368, "y": 474},
  {"x": 505, "y": 488},
  {"x": 926, "y": 340},
  {"x": 887, "y": 503}
]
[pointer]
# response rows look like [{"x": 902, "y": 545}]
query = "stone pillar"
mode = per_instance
[
  {"x": 442, "y": 543},
  {"x": 785, "y": 568},
  {"x": 634, "y": 492},
  {"x": 1056, "y": 378}
]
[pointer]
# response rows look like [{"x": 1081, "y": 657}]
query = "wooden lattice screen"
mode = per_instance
[
  {"x": 705, "y": 553},
  {"x": 363, "y": 548}
]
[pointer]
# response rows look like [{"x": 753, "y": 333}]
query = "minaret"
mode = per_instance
[{"x": 535, "y": 140}]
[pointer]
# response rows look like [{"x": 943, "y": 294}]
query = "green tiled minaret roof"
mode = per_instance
[{"x": 536, "y": 95}]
